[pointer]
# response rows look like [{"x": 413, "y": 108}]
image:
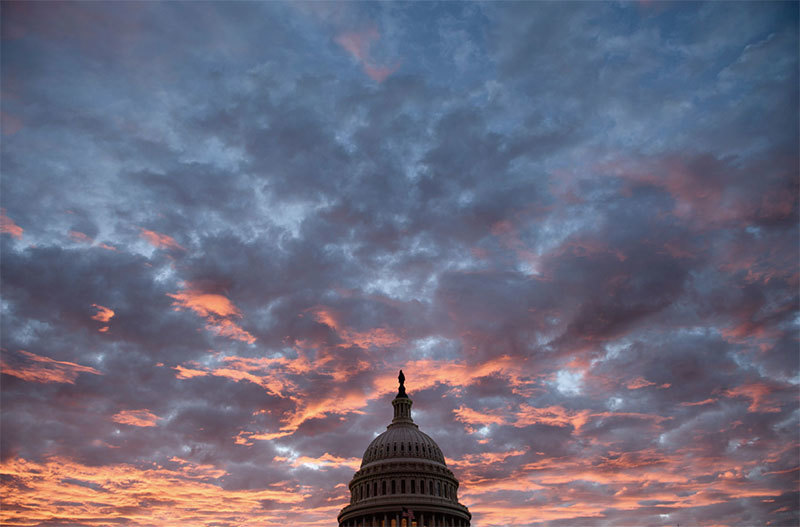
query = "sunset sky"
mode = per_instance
[{"x": 226, "y": 226}]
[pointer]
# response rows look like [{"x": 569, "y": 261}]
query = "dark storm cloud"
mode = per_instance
[{"x": 226, "y": 226}]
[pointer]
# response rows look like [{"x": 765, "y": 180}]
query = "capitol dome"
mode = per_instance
[{"x": 403, "y": 480}]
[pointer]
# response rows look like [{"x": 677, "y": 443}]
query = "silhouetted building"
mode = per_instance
[{"x": 403, "y": 480}]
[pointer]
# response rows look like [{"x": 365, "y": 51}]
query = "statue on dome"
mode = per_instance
[{"x": 402, "y": 379}]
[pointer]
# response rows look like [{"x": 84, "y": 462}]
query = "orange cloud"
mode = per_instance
[
  {"x": 44, "y": 369},
  {"x": 428, "y": 373},
  {"x": 621, "y": 481},
  {"x": 161, "y": 241},
  {"x": 639, "y": 382},
  {"x": 510, "y": 513},
  {"x": 378, "y": 337},
  {"x": 60, "y": 491},
  {"x": 103, "y": 314},
  {"x": 80, "y": 237},
  {"x": 136, "y": 418},
  {"x": 758, "y": 393},
  {"x": 273, "y": 374},
  {"x": 326, "y": 460},
  {"x": 227, "y": 328},
  {"x": 188, "y": 373},
  {"x": 473, "y": 417},
  {"x": 700, "y": 403},
  {"x": 551, "y": 416},
  {"x": 485, "y": 459},
  {"x": 8, "y": 226},
  {"x": 217, "y": 309},
  {"x": 358, "y": 44},
  {"x": 246, "y": 438},
  {"x": 205, "y": 305},
  {"x": 256, "y": 370},
  {"x": 337, "y": 402}
]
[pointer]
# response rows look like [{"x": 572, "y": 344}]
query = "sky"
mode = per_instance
[{"x": 226, "y": 226}]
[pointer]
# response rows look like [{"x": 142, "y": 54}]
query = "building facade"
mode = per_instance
[{"x": 403, "y": 480}]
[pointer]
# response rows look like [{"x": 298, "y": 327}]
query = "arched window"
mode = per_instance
[
  {"x": 402, "y": 486},
  {"x": 413, "y": 486},
  {"x": 394, "y": 487},
  {"x": 383, "y": 487},
  {"x": 375, "y": 488},
  {"x": 439, "y": 489},
  {"x": 430, "y": 488},
  {"x": 402, "y": 447}
]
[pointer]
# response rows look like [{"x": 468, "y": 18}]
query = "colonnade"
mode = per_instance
[
  {"x": 385, "y": 487},
  {"x": 421, "y": 519}
]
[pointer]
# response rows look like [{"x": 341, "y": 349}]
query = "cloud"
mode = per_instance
[
  {"x": 8, "y": 226},
  {"x": 638, "y": 383},
  {"x": 359, "y": 44},
  {"x": 142, "y": 417},
  {"x": 80, "y": 237},
  {"x": 379, "y": 337},
  {"x": 160, "y": 241},
  {"x": 103, "y": 314},
  {"x": 758, "y": 393},
  {"x": 324, "y": 461},
  {"x": 178, "y": 490},
  {"x": 217, "y": 309},
  {"x": 36, "y": 368}
]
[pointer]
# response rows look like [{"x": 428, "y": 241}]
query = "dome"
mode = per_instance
[
  {"x": 402, "y": 441},
  {"x": 403, "y": 480}
]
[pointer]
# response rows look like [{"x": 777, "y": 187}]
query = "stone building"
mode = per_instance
[{"x": 403, "y": 480}]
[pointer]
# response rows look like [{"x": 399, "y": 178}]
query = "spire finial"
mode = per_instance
[
  {"x": 402, "y": 391},
  {"x": 402, "y": 404}
]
